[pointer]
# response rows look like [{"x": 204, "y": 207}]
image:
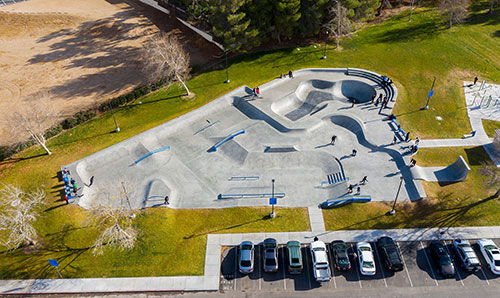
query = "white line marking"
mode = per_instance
[
  {"x": 485, "y": 278},
  {"x": 260, "y": 272},
  {"x": 308, "y": 273},
  {"x": 235, "y": 267},
  {"x": 357, "y": 269},
  {"x": 406, "y": 267},
  {"x": 284, "y": 268},
  {"x": 453, "y": 261},
  {"x": 429, "y": 263},
  {"x": 381, "y": 266}
]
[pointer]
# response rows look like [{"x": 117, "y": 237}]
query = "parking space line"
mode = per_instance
[
  {"x": 260, "y": 271},
  {"x": 332, "y": 267},
  {"x": 485, "y": 277},
  {"x": 308, "y": 273},
  {"x": 381, "y": 265},
  {"x": 406, "y": 267},
  {"x": 429, "y": 263},
  {"x": 357, "y": 269},
  {"x": 284, "y": 269},
  {"x": 457, "y": 270},
  {"x": 235, "y": 267}
]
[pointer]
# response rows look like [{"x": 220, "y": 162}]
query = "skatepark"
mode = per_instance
[{"x": 226, "y": 153}]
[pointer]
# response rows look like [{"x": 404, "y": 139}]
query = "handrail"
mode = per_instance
[
  {"x": 221, "y": 142},
  {"x": 151, "y": 153}
]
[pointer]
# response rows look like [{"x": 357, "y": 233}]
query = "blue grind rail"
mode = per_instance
[
  {"x": 151, "y": 153},
  {"x": 250, "y": 195},
  {"x": 398, "y": 127},
  {"x": 240, "y": 178},
  {"x": 346, "y": 200},
  {"x": 208, "y": 126},
  {"x": 221, "y": 142}
]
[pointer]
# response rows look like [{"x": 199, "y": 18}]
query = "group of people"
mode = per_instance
[
  {"x": 290, "y": 75},
  {"x": 383, "y": 101},
  {"x": 358, "y": 189},
  {"x": 386, "y": 81}
]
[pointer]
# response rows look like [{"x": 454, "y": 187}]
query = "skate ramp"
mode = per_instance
[
  {"x": 455, "y": 172},
  {"x": 311, "y": 93}
]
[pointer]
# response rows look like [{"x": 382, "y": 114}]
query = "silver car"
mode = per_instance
[
  {"x": 270, "y": 255},
  {"x": 246, "y": 257}
]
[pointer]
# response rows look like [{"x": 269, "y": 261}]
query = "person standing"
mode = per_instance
[
  {"x": 407, "y": 137},
  {"x": 373, "y": 97},
  {"x": 166, "y": 200},
  {"x": 350, "y": 188},
  {"x": 417, "y": 140},
  {"x": 257, "y": 91},
  {"x": 354, "y": 152},
  {"x": 394, "y": 140},
  {"x": 358, "y": 190},
  {"x": 475, "y": 81},
  {"x": 334, "y": 138},
  {"x": 91, "y": 181},
  {"x": 290, "y": 75}
]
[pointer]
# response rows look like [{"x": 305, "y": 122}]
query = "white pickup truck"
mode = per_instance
[{"x": 321, "y": 268}]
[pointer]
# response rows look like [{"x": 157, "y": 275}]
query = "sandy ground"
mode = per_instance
[{"x": 82, "y": 52}]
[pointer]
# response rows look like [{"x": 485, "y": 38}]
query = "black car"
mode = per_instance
[
  {"x": 340, "y": 256},
  {"x": 442, "y": 259},
  {"x": 391, "y": 256}
]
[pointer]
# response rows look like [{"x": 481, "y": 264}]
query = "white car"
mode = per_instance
[
  {"x": 491, "y": 254},
  {"x": 366, "y": 260},
  {"x": 321, "y": 268}
]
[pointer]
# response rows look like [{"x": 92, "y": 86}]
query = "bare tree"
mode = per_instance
[
  {"x": 455, "y": 10},
  {"x": 492, "y": 3},
  {"x": 18, "y": 212},
  {"x": 33, "y": 118},
  {"x": 164, "y": 57},
  {"x": 339, "y": 23},
  {"x": 492, "y": 174},
  {"x": 113, "y": 217}
]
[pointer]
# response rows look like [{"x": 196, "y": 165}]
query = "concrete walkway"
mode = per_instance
[
  {"x": 316, "y": 219},
  {"x": 210, "y": 280}
]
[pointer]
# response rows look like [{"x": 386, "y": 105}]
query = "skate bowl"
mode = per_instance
[
  {"x": 311, "y": 93},
  {"x": 455, "y": 172}
]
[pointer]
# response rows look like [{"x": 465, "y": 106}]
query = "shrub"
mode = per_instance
[{"x": 54, "y": 130}]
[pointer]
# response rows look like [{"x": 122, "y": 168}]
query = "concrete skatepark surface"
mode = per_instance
[{"x": 287, "y": 138}]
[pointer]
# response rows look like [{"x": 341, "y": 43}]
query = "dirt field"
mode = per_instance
[{"x": 82, "y": 52}]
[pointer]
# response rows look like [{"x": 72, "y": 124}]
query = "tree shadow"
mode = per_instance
[
  {"x": 478, "y": 14},
  {"x": 266, "y": 217},
  {"x": 12, "y": 160},
  {"x": 426, "y": 29}
]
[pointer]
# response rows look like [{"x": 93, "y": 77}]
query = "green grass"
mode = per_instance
[
  {"x": 468, "y": 203},
  {"x": 171, "y": 242},
  {"x": 490, "y": 126},
  {"x": 410, "y": 53}
]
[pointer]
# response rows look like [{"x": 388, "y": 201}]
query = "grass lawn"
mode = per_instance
[
  {"x": 410, "y": 53},
  {"x": 490, "y": 126},
  {"x": 171, "y": 242},
  {"x": 467, "y": 203}
]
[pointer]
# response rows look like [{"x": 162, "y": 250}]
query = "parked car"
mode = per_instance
[
  {"x": 442, "y": 259},
  {"x": 391, "y": 256},
  {"x": 467, "y": 255},
  {"x": 491, "y": 254},
  {"x": 294, "y": 257},
  {"x": 340, "y": 256},
  {"x": 366, "y": 260},
  {"x": 246, "y": 257},
  {"x": 270, "y": 255},
  {"x": 321, "y": 268}
]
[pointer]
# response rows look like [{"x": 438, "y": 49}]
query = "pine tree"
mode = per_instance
[
  {"x": 312, "y": 13},
  {"x": 231, "y": 25},
  {"x": 286, "y": 17},
  {"x": 260, "y": 13}
]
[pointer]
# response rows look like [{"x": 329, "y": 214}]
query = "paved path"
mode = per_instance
[
  {"x": 210, "y": 281},
  {"x": 316, "y": 219}
]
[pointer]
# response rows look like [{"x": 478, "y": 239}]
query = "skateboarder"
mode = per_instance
[
  {"x": 364, "y": 180},
  {"x": 334, "y": 137}
]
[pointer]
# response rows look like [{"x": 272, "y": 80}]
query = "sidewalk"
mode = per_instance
[{"x": 210, "y": 281}]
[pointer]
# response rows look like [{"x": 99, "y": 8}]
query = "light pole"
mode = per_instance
[
  {"x": 117, "y": 129},
  {"x": 273, "y": 215},
  {"x": 392, "y": 211},
  {"x": 227, "y": 72},
  {"x": 430, "y": 94},
  {"x": 326, "y": 39},
  {"x": 128, "y": 201}
]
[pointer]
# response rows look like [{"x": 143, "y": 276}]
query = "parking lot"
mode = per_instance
[{"x": 420, "y": 271}]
